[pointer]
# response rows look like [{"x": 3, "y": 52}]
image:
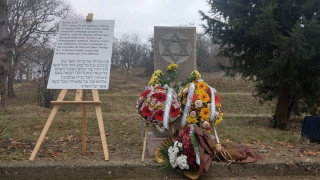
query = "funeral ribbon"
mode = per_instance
[
  {"x": 188, "y": 104},
  {"x": 213, "y": 105},
  {"x": 167, "y": 107},
  {"x": 196, "y": 151}
]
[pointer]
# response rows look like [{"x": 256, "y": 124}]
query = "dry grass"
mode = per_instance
[{"x": 245, "y": 119}]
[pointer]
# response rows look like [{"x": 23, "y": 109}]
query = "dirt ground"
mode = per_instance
[{"x": 70, "y": 148}]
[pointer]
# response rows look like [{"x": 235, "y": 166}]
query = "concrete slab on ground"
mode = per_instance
[{"x": 99, "y": 169}]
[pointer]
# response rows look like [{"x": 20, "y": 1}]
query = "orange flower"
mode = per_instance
[
  {"x": 204, "y": 97},
  {"x": 205, "y": 113},
  {"x": 202, "y": 86}
]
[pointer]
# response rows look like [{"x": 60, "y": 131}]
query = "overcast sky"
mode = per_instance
[{"x": 140, "y": 16}]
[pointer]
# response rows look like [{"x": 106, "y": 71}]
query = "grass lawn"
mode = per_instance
[{"x": 245, "y": 120}]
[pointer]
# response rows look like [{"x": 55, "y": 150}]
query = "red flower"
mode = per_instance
[
  {"x": 146, "y": 111},
  {"x": 159, "y": 115},
  {"x": 145, "y": 93},
  {"x": 160, "y": 96},
  {"x": 194, "y": 97},
  {"x": 174, "y": 112},
  {"x": 209, "y": 92},
  {"x": 217, "y": 99}
]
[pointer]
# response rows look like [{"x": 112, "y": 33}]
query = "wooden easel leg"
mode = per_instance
[
  {"x": 144, "y": 145},
  {"x": 47, "y": 125},
  {"x": 101, "y": 126},
  {"x": 84, "y": 123}
]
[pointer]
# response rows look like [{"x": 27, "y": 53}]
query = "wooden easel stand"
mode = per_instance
[{"x": 80, "y": 99}]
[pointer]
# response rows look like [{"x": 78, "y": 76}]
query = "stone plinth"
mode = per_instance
[{"x": 153, "y": 143}]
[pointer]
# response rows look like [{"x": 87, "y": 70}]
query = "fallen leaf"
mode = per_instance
[
  {"x": 270, "y": 147},
  {"x": 290, "y": 147},
  {"x": 20, "y": 146},
  {"x": 311, "y": 153},
  {"x": 282, "y": 143},
  {"x": 55, "y": 154},
  {"x": 258, "y": 142}
]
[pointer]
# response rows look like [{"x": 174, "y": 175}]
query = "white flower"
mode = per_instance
[
  {"x": 173, "y": 162},
  {"x": 217, "y": 114},
  {"x": 193, "y": 114},
  {"x": 182, "y": 162},
  {"x": 165, "y": 86},
  {"x": 180, "y": 145},
  {"x": 198, "y": 103},
  {"x": 173, "y": 150},
  {"x": 209, "y": 106},
  {"x": 153, "y": 102},
  {"x": 170, "y": 150},
  {"x": 206, "y": 124}
]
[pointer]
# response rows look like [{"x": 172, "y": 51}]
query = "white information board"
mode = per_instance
[{"x": 82, "y": 57}]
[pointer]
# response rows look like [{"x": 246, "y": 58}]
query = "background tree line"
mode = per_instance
[
  {"x": 129, "y": 51},
  {"x": 28, "y": 37}
]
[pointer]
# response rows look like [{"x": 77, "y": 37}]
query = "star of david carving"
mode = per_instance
[{"x": 175, "y": 38}]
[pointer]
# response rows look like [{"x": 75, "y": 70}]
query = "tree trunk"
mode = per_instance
[
  {"x": 11, "y": 78},
  {"x": 28, "y": 75},
  {"x": 281, "y": 115},
  {"x": 5, "y": 53}
]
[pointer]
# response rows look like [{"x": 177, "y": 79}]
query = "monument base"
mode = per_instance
[{"x": 153, "y": 143}]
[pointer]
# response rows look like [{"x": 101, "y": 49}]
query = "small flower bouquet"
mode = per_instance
[
  {"x": 182, "y": 153},
  {"x": 158, "y": 103},
  {"x": 200, "y": 103},
  {"x": 187, "y": 151},
  {"x": 151, "y": 104},
  {"x": 179, "y": 152}
]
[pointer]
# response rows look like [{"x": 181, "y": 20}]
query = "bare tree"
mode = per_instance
[
  {"x": 147, "y": 61},
  {"x": 207, "y": 54},
  {"x": 29, "y": 20},
  {"x": 5, "y": 53},
  {"x": 40, "y": 59},
  {"x": 128, "y": 52}
]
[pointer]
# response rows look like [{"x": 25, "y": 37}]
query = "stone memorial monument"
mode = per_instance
[
  {"x": 175, "y": 45},
  {"x": 172, "y": 45}
]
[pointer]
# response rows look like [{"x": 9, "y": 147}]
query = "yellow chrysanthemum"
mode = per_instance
[
  {"x": 196, "y": 74},
  {"x": 202, "y": 86},
  {"x": 172, "y": 67},
  {"x": 218, "y": 120},
  {"x": 157, "y": 73},
  {"x": 204, "y": 97},
  {"x": 153, "y": 81},
  {"x": 205, "y": 113},
  {"x": 198, "y": 91},
  {"x": 191, "y": 120}
]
